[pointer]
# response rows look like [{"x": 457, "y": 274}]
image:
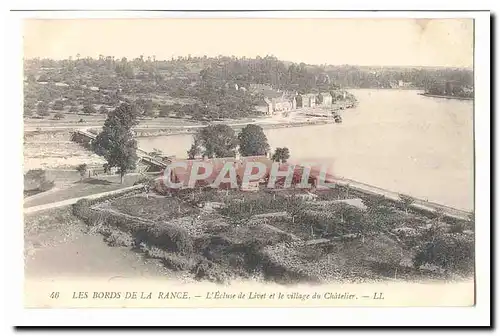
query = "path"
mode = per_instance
[
  {"x": 418, "y": 203},
  {"x": 74, "y": 200}
]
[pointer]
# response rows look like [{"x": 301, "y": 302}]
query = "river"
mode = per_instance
[{"x": 394, "y": 139}]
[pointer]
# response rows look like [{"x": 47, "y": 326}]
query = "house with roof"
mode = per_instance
[
  {"x": 276, "y": 102},
  {"x": 324, "y": 99},
  {"x": 181, "y": 175},
  {"x": 306, "y": 100}
]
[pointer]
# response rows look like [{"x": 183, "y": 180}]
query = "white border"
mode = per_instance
[{"x": 478, "y": 315}]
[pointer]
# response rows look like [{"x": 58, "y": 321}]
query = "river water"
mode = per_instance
[{"x": 394, "y": 139}]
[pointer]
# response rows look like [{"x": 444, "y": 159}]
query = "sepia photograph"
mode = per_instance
[{"x": 250, "y": 161}]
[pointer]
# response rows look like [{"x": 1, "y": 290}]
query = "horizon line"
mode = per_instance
[{"x": 255, "y": 57}]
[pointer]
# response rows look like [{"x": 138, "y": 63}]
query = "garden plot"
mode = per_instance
[{"x": 281, "y": 236}]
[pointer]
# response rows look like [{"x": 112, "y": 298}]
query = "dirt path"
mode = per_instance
[{"x": 74, "y": 200}]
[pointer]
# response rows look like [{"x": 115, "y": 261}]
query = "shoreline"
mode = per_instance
[
  {"x": 144, "y": 133},
  {"x": 159, "y": 130},
  {"x": 445, "y": 97}
]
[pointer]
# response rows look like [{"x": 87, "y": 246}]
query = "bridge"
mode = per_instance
[{"x": 85, "y": 138}]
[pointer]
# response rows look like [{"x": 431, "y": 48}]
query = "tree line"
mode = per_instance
[{"x": 205, "y": 79}]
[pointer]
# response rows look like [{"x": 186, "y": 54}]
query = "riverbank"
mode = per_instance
[
  {"x": 147, "y": 132},
  {"x": 445, "y": 97},
  {"x": 157, "y": 127}
]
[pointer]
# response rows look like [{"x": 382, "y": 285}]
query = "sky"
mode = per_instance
[{"x": 372, "y": 42}]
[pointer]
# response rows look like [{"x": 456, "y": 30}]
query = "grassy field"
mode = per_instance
[{"x": 87, "y": 186}]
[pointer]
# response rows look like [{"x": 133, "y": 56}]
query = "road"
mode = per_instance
[{"x": 74, "y": 200}]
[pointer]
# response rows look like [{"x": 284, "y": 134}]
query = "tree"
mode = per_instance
[
  {"x": 42, "y": 109},
  {"x": 89, "y": 109},
  {"x": 405, "y": 202},
  {"x": 165, "y": 111},
  {"x": 180, "y": 113},
  {"x": 58, "y": 105},
  {"x": 215, "y": 141},
  {"x": 116, "y": 142},
  {"x": 148, "y": 108},
  {"x": 43, "y": 78},
  {"x": 253, "y": 141},
  {"x": 27, "y": 111},
  {"x": 195, "y": 149},
  {"x": 31, "y": 78},
  {"x": 103, "y": 110},
  {"x": 106, "y": 168},
  {"x": 281, "y": 155},
  {"x": 82, "y": 169},
  {"x": 59, "y": 116}
]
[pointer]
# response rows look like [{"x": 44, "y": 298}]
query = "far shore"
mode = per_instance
[{"x": 445, "y": 97}]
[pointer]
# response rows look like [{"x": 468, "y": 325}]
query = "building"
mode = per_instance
[
  {"x": 265, "y": 106},
  {"x": 275, "y": 102},
  {"x": 468, "y": 89},
  {"x": 282, "y": 104},
  {"x": 306, "y": 100},
  {"x": 260, "y": 87},
  {"x": 402, "y": 84},
  {"x": 181, "y": 175},
  {"x": 325, "y": 99}
]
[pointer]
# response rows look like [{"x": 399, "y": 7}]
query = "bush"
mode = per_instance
[
  {"x": 81, "y": 208},
  {"x": 120, "y": 238},
  {"x": 144, "y": 180},
  {"x": 170, "y": 238},
  {"x": 207, "y": 270},
  {"x": 82, "y": 169},
  {"x": 58, "y": 116},
  {"x": 173, "y": 261},
  {"x": 89, "y": 109},
  {"x": 453, "y": 252},
  {"x": 36, "y": 180},
  {"x": 178, "y": 262},
  {"x": 47, "y": 185},
  {"x": 58, "y": 105}
]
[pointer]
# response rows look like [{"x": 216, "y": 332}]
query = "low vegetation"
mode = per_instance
[
  {"x": 37, "y": 181},
  {"x": 284, "y": 237}
]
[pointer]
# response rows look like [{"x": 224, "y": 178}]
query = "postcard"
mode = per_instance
[{"x": 224, "y": 160}]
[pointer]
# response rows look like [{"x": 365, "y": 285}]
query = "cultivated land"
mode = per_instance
[{"x": 284, "y": 236}]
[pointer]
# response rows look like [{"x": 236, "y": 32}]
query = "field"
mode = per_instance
[
  {"x": 285, "y": 236},
  {"x": 68, "y": 187}
]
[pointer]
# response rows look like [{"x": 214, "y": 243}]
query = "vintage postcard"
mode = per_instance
[{"x": 225, "y": 160}]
